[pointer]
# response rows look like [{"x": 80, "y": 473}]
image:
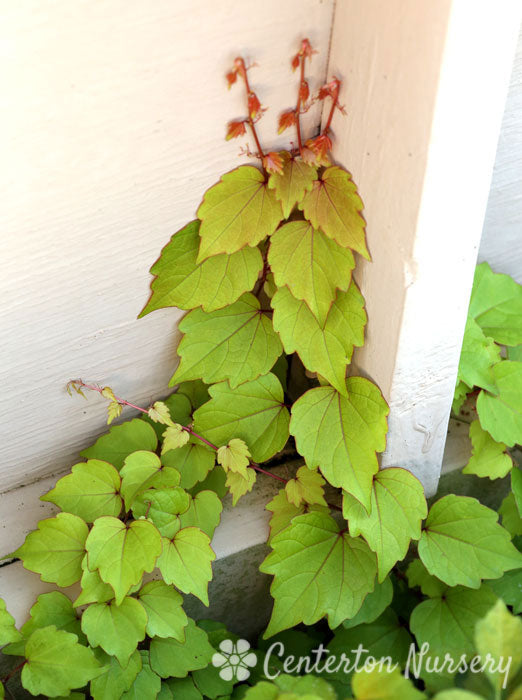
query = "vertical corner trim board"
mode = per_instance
[{"x": 424, "y": 88}]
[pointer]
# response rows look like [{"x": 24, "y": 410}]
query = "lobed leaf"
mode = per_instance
[
  {"x": 417, "y": 575},
  {"x": 142, "y": 470},
  {"x": 116, "y": 679},
  {"x": 236, "y": 343},
  {"x": 204, "y": 511},
  {"x": 511, "y": 519},
  {"x": 489, "y": 458},
  {"x": 306, "y": 487},
  {"x": 334, "y": 206},
  {"x": 501, "y": 414},
  {"x": 318, "y": 570},
  {"x": 254, "y": 412},
  {"x": 462, "y": 543},
  {"x": 291, "y": 185},
  {"x": 193, "y": 461},
  {"x": 165, "y": 614},
  {"x": 373, "y": 605},
  {"x": 341, "y": 434},
  {"x": 8, "y": 631},
  {"x": 384, "y": 685},
  {"x": 238, "y": 211},
  {"x": 509, "y": 588},
  {"x": 94, "y": 590},
  {"x": 212, "y": 284},
  {"x": 326, "y": 345},
  {"x": 239, "y": 484},
  {"x": 397, "y": 509},
  {"x": 168, "y": 657},
  {"x": 499, "y": 634},
  {"x": 496, "y": 305},
  {"x": 162, "y": 507},
  {"x": 121, "y": 441},
  {"x": 147, "y": 684},
  {"x": 477, "y": 356}
]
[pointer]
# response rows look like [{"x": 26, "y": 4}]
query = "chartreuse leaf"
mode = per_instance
[
  {"x": 186, "y": 560},
  {"x": 318, "y": 570},
  {"x": 168, "y": 657},
  {"x": 501, "y": 415},
  {"x": 56, "y": 549},
  {"x": 162, "y": 507},
  {"x": 94, "y": 590},
  {"x": 397, "y": 508},
  {"x": 417, "y": 575},
  {"x": 165, "y": 615},
  {"x": 122, "y": 553},
  {"x": 293, "y": 182},
  {"x": 306, "y": 687},
  {"x": 159, "y": 413},
  {"x": 511, "y": 519},
  {"x": 193, "y": 461},
  {"x": 461, "y": 392},
  {"x": 204, "y": 511},
  {"x": 499, "y": 634},
  {"x": 56, "y": 663},
  {"x": 184, "y": 688},
  {"x": 254, "y": 412},
  {"x": 239, "y": 210},
  {"x": 8, "y": 631},
  {"x": 117, "y": 629},
  {"x": 462, "y": 542},
  {"x": 306, "y": 487},
  {"x": 174, "y": 438},
  {"x": 179, "y": 410},
  {"x": 283, "y": 512},
  {"x": 121, "y": 441},
  {"x": 147, "y": 684},
  {"x": 341, "y": 434},
  {"x": 325, "y": 345},
  {"x": 509, "y": 588},
  {"x": 212, "y": 284},
  {"x": 236, "y": 343},
  {"x": 310, "y": 264},
  {"x": 143, "y": 470},
  {"x": 334, "y": 206},
  {"x": 489, "y": 458},
  {"x": 477, "y": 356},
  {"x": 374, "y": 604},
  {"x": 457, "y": 694},
  {"x": 89, "y": 491},
  {"x": 384, "y": 685},
  {"x": 447, "y": 623},
  {"x": 240, "y": 484},
  {"x": 116, "y": 679},
  {"x": 496, "y": 305},
  {"x": 234, "y": 457}
]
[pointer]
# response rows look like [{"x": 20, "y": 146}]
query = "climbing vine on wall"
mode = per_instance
[{"x": 273, "y": 316}]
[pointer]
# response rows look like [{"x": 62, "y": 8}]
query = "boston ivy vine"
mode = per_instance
[{"x": 273, "y": 317}]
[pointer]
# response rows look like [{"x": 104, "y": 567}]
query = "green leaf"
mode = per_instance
[
  {"x": 341, "y": 434},
  {"x": 141, "y": 471},
  {"x": 516, "y": 487},
  {"x": 418, "y": 576},
  {"x": 456, "y": 694},
  {"x": 116, "y": 679},
  {"x": 168, "y": 657},
  {"x": 373, "y": 605},
  {"x": 283, "y": 512},
  {"x": 180, "y": 410},
  {"x": 461, "y": 392},
  {"x": 204, "y": 511},
  {"x": 311, "y": 265},
  {"x": 324, "y": 345},
  {"x": 397, "y": 508},
  {"x": 307, "y": 487},
  {"x": 511, "y": 519},
  {"x": 384, "y": 685},
  {"x": 239, "y": 210},
  {"x": 462, "y": 542},
  {"x": 196, "y": 392},
  {"x": 117, "y": 629},
  {"x": 509, "y": 588},
  {"x": 147, "y": 684},
  {"x": 499, "y": 634},
  {"x": 447, "y": 623},
  {"x": 212, "y": 284},
  {"x": 477, "y": 356},
  {"x": 306, "y": 687},
  {"x": 334, "y": 206},
  {"x": 496, "y": 305},
  {"x": 94, "y": 590},
  {"x": 215, "y": 481},
  {"x": 318, "y": 570},
  {"x": 8, "y": 631},
  {"x": 240, "y": 484},
  {"x": 162, "y": 507},
  {"x": 89, "y": 491},
  {"x": 122, "y": 553},
  {"x": 185, "y": 688},
  {"x": 56, "y": 663},
  {"x": 56, "y": 549},
  {"x": 254, "y": 412},
  {"x": 489, "y": 458},
  {"x": 291, "y": 185},
  {"x": 163, "y": 605},
  {"x": 501, "y": 415},
  {"x": 236, "y": 343},
  {"x": 193, "y": 461},
  {"x": 186, "y": 560},
  {"x": 121, "y": 441},
  {"x": 234, "y": 457}
]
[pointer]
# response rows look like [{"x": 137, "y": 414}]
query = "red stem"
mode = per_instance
[
  {"x": 298, "y": 107},
  {"x": 13, "y": 671},
  {"x": 332, "y": 110},
  {"x": 243, "y": 73}
]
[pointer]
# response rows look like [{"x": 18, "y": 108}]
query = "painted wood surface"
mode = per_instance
[
  {"x": 114, "y": 116},
  {"x": 501, "y": 243},
  {"x": 424, "y": 103}
]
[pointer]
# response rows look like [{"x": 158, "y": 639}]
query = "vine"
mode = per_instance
[{"x": 273, "y": 317}]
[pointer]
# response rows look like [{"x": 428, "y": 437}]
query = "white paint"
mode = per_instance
[
  {"x": 425, "y": 102},
  {"x": 501, "y": 243},
  {"x": 113, "y": 122}
]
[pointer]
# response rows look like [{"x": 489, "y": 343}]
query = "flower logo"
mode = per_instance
[{"x": 234, "y": 659}]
